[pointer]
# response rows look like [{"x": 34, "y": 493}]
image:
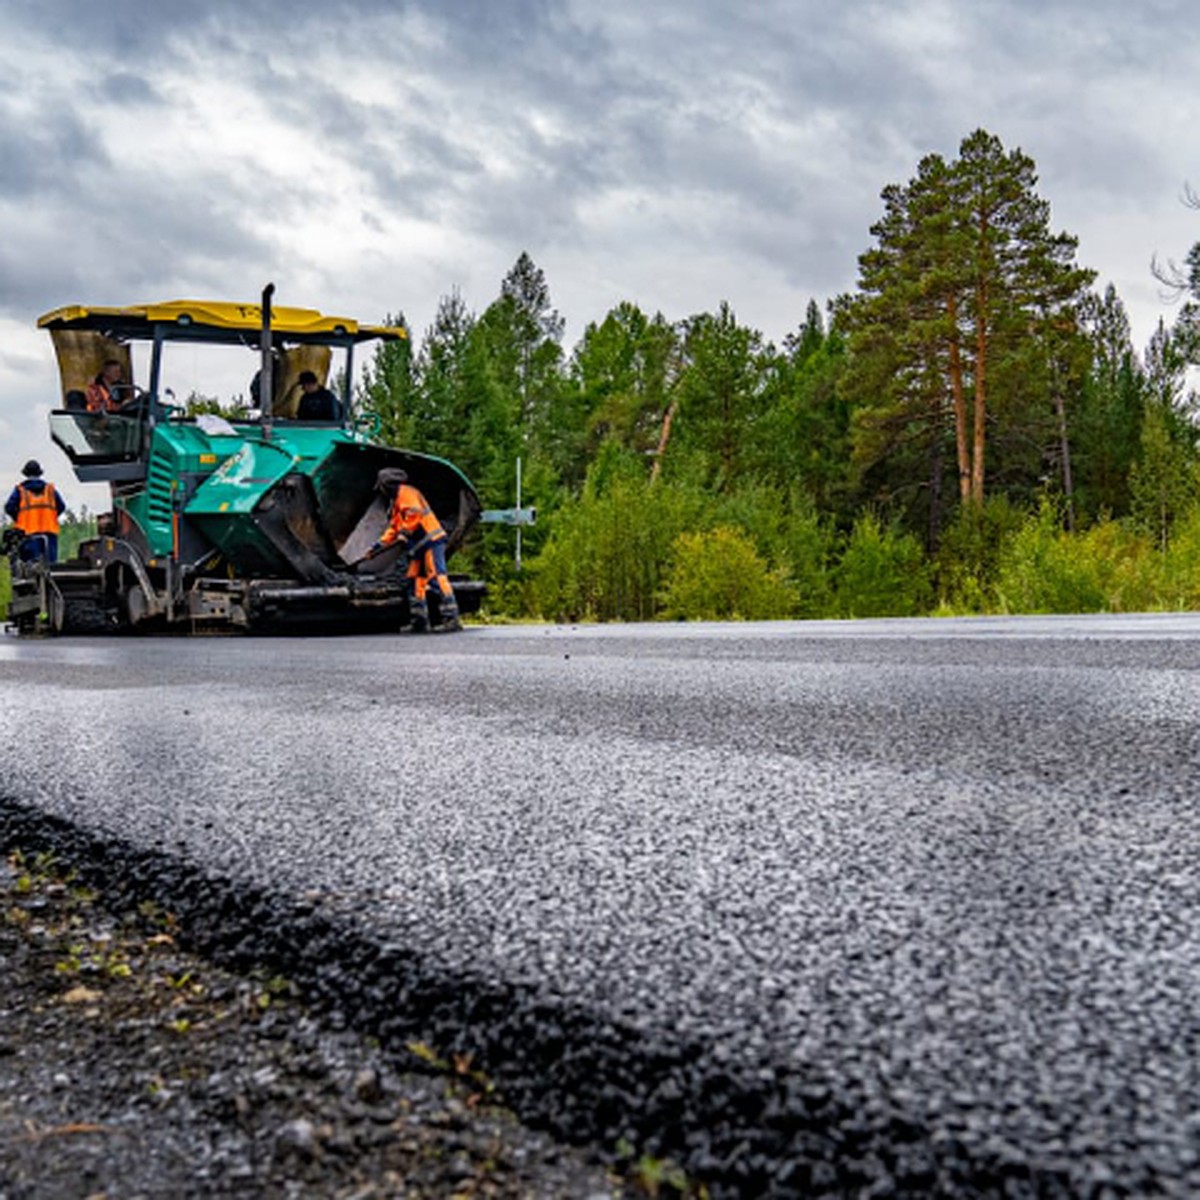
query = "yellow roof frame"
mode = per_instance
[{"x": 192, "y": 318}]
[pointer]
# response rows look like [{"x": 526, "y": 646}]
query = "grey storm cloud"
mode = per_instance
[
  {"x": 371, "y": 155},
  {"x": 49, "y": 155},
  {"x": 130, "y": 89},
  {"x": 763, "y": 131},
  {"x": 159, "y": 33}
]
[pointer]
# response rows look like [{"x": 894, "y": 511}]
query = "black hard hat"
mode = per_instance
[
  {"x": 32, "y": 468},
  {"x": 389, "y": 479}
]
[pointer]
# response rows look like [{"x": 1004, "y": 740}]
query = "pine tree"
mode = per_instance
[
  {"x": 962, "y": 292},
  {"x": 721, "y": 394},
  {"x": 622, "y": 373},
  {"x": 1165, "y": 481},
  {"x": 1023, "y": 299},
  {"x": 804, "y": 443},
  {"x": 442, "y": 407},
  {"x": 389, "y": 389},
  {"x": 1111, "y": 403},
  {"x": 536, "y": 330},
  {"x": 905, "y": 377},
  {"x": 808, "y": 339}
]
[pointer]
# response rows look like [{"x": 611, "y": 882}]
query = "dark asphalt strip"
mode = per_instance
[{"x": 738, "y": 1126}]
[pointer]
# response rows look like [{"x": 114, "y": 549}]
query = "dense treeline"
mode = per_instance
[{"x": 970, "y": 430}]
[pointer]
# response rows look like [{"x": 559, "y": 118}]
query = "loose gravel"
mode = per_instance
[{"x": 130, "y": 1068}]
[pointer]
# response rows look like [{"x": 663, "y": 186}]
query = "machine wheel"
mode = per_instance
[{"x": 56, "y": 610}]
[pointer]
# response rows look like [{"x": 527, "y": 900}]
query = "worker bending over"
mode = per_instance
[
  {"x": 35, "y": 507},
  {"x": 414, "y": 526}
]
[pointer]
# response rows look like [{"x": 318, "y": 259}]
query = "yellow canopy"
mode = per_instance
[{"x": 193, "y": 318}]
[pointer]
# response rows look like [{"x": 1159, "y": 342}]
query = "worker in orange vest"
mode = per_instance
[
  {"x": 414, "y": 526},
  {"x": 35, "y": 507},
  {"x": 106, "y": 393}
]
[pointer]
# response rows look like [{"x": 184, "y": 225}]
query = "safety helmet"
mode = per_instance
[{"x": 32, "y": 468}]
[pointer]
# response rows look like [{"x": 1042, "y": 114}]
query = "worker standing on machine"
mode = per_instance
[
  {"x": 35, "y": 507},
  {"x": 414, "y": 526}
]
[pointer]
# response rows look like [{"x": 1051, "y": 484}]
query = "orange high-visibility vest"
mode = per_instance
[
  {"x": 38, "y": 511},
  {"x": 99, "y": 398},
  {"x": 410, "y": 513}
]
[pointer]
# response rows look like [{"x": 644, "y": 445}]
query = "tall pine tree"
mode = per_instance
[
  {"x": 443, "y": 404},
  {"x": 722, "y": 395},
  {"x": 1165, "y": 481},
  {"x": 623, "y": 374},
  {"x": 389, "y": 388},
  {"x": 965, "y": 287},
  {"x": 1108, "y": 425}
]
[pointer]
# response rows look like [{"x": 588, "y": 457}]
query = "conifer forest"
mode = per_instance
[{"x": 970, "y": 430}]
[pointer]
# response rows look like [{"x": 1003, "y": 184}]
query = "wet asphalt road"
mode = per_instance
[{"x": 903, "y": 906}]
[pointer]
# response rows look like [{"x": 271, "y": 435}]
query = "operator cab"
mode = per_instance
[{"x": 114, "y": 447}]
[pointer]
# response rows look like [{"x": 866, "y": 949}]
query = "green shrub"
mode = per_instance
[
  {"x": 609, "y": 551},
  {"x": 968, "y": 560},
  {"x": 509, "y": 591},
  {"x": 1127, "y": 568},
  {"x": 789, "y": 534},
  {"x": 1111, "y": 567},
  {"x": 75, "y": 528},
  {"x": 1039, "y": 573},
  {"x": 807, "y": 549},
  {"x": 882, "y": 573},
  {"x": 720, "y": 576},
  {"x": 1179, "y": 585},
  {"x": 1164, "y": 482}
]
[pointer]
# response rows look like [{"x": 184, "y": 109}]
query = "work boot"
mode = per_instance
[
  {"x": 449, "y": 620},
  {"x": 418, "y": 617}
]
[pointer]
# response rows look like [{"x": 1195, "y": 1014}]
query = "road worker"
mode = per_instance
[
  {"x": 317, "y": 402},
  {"x": 106, "y": 393},
  {"x": 414, "y": 526},
  {"x": 35, "y": 507}
]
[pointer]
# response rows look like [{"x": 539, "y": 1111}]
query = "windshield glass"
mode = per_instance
[{"x": 106, "y": 436}]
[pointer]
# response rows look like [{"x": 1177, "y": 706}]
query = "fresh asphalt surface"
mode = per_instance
[{"x": 910, "y": 906}]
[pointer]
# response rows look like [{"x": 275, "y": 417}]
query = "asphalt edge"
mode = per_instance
[{"x": 737, "y": 1128}]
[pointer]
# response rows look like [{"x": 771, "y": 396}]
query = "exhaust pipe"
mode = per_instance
[{"x": 266, "y": 381}]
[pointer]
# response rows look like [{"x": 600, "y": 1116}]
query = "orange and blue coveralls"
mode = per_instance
[
  {"x": 34, "y": 507},
  {"x": 410, "y": 515},
  {"x": 415, "y": 524}
]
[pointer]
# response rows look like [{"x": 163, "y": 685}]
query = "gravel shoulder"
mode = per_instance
[{"x": 131, "y": 1068}]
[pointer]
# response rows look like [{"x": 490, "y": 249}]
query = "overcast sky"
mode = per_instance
[{"x": 370, "y": 155}]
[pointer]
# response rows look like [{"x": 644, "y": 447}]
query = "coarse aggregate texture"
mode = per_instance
[
  {"x": 894, "y": 908},
  {"x": 130, "y": 1068}
]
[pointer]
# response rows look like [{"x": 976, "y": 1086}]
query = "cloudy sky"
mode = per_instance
[{"x": 370, "y": 155}]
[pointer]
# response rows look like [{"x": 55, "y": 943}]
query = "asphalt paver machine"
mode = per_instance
[{"x": 223, "y": 522}]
